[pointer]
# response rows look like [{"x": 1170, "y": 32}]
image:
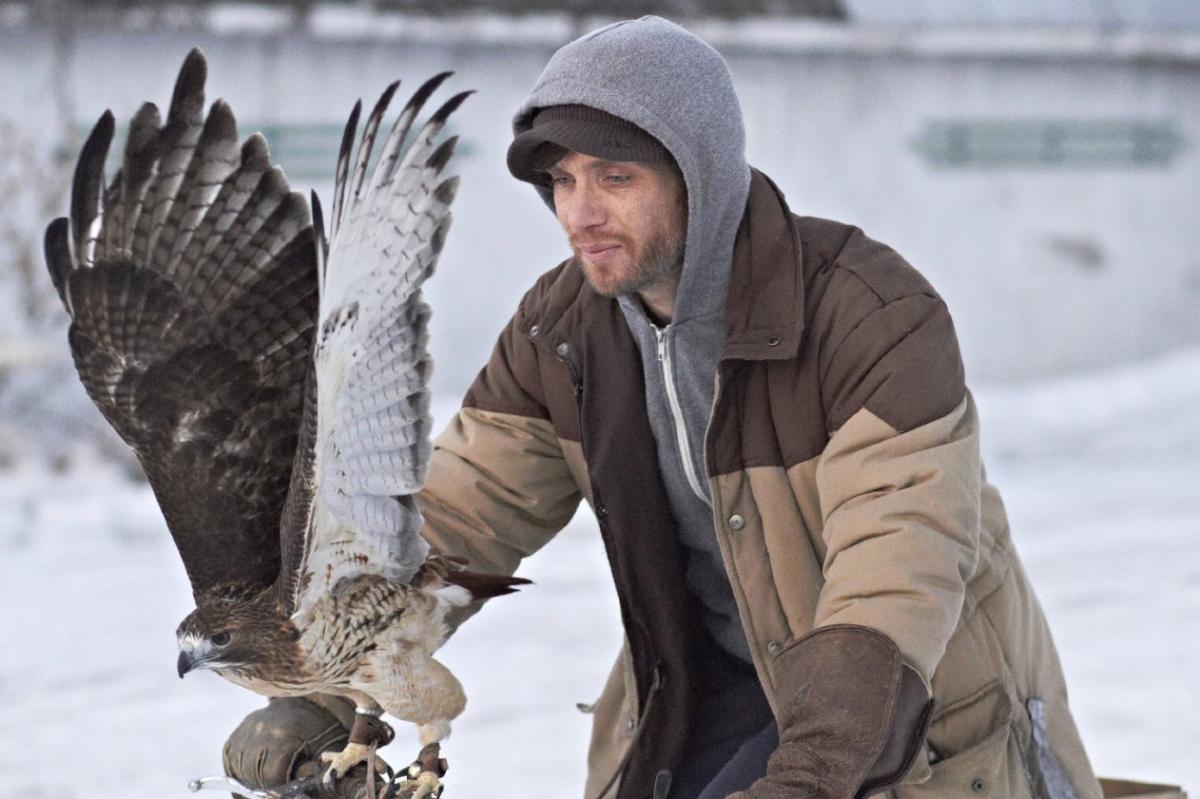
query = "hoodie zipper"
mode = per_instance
[{"x": 681, "y": 437}]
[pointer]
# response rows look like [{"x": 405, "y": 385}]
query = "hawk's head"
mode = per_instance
[{"x": 233, "y": 635}]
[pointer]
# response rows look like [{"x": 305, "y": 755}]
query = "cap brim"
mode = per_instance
[
  {"x": 529, "y": 156},
  {"x": 528, "y": 161}
]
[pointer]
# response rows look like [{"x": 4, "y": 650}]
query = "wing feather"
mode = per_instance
[
  {"x": 191, "y": 284},
  {"x": 393, "y": 147},
  {"x": 341, "y": 182},
  {"x": 176, "y": 145},
  {"x": 86, "y": 189},
  {"x": 197, "y": 260},
  {"x": 216, "y": 157},
  {"x": 125, "y": 195},
  {"x": 365, "y": 447},
  {"x": 368, "y": 139}
]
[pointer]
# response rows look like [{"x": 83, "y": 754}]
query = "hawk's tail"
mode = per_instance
[
  {"x": 485, "y": 586},
  {"x": 448, "y": 570}
]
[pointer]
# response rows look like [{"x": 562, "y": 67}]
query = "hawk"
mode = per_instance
[{"x": 273, "y": 383}]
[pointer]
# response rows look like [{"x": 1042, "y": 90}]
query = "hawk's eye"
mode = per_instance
[{"x": 220, "y": 639}]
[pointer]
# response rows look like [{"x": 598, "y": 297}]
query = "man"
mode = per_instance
[{"x": 768, "y": 416}]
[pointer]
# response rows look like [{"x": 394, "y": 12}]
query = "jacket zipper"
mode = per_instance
[{"x": 681, "y": 438}]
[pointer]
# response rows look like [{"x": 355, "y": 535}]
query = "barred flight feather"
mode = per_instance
[
  {"x": 371, "y": 435},
  {"x": 191, "y": 282}
]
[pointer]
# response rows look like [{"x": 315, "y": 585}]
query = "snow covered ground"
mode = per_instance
[{"x": 1099, "y": 472}]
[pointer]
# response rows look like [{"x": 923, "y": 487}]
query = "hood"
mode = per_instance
[{"x": 678, "y": 89}]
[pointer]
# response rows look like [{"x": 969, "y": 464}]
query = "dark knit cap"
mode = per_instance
[{"x": 558, "y": 129}]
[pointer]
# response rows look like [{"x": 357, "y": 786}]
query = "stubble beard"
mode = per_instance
[{"x": 658, "y": 267}]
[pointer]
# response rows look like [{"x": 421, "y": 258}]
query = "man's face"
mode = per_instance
[{"x": 625, "y": 220}]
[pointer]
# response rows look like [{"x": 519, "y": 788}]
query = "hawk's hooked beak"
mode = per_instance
[{"x": 185, "y": 663}]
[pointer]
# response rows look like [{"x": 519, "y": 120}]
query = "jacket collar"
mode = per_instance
[{"x": 764, "y": 304}]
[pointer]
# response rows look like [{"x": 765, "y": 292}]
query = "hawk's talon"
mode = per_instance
[
  {"x": 341, "y": 762},
  {"x": 425, "y": 785},
  {"x": 424, "y": 775}
]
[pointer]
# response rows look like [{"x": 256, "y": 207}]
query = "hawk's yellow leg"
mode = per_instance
[{"x": 368, "y": 731}]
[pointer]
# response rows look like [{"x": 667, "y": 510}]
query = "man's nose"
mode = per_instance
[{"x": 581, "y": 210}]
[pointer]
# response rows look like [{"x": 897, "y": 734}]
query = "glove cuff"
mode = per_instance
[
  {"x": 857, "y": 714},
  {"x": 911, "y": 716}
]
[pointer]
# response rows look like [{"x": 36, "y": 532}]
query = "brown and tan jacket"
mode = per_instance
[{"x": 843, "y": 463}]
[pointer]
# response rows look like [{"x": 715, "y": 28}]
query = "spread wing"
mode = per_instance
[
  {"x": 191, "y": 284},
  {"x": 365, "y": 441}
]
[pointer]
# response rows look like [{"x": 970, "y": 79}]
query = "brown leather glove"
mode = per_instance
[
  {"x": 283, "y": 741},
  {"x": 855, "y": 722}
]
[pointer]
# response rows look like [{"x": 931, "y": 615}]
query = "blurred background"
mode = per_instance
[{"x": 1037, "y": 160}]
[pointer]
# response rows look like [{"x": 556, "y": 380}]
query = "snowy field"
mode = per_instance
[{"x": 1099, "y": 473}]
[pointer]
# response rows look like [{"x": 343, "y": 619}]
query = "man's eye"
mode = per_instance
[
  {"x": 220, "y": 639},
  {"x": 617, "y": 180}
]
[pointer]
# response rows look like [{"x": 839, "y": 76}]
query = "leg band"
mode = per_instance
[{"x": 370, "y": 729}]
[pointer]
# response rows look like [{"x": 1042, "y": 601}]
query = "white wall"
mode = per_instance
[
  {"x": 838, "y": 132},
  {"x": 834, "y": 126}
]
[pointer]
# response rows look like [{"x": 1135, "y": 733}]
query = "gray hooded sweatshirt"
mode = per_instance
[{"x": 678, "y": 89}]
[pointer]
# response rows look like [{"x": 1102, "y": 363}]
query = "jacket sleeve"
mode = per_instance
[
  {"x": 498, "y": 489},
  {"x": 499, "y": 486},
  {"x": 899, "y": 480},
  {"x": 898, "y": 483}
]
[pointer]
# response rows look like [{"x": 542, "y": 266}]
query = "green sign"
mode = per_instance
[
  {"x": 307, "y": 152},
  {"x": 1049, "y": 143}
]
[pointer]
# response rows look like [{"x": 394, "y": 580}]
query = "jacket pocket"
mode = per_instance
[{"x": 973, "y": 751}]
